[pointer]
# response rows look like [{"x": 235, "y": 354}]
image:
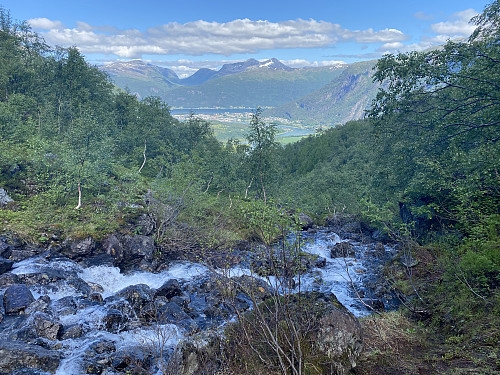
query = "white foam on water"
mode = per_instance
[
  {"x": 149, "y": 339},
  {"x": 37, "y": 264},
  {"x": 113, "y": 281},
  {"x": 90, "y": 317},
  {"x": 55, "y": 292}
]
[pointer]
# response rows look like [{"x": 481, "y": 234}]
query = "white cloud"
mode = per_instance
[
  {"x": 201, "y": 37},
  {"x": 382, "y": 36},
  {"x": 45, "y": 24},
  {"x": 457, "y": 24},
  {"x": 393, "y": 46},
  {"x": 301, "y": 63}
]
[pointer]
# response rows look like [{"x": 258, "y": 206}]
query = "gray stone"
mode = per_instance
[
  {"x": 114, "y": 320},
  {"x": 340, "y": 338},
  {"x": 137, "y": 295},
  {"x": 46, "y": 327},
  {"x": 130, "y": 252},
  {"x": 5, "y": 265},
  {"x": 170, "y": 289},
  {"x": 80, "y": 249},
  {"x": 15, "y": 355},
  {"x": 72, "y": 332},
  {"x": 342, "y": 250},
  {"x": 8, "y": 279},
  {"x": 16, "y": 299},
  {"x": 4, "y": 198},
  {"x": 305, "y": 221}
]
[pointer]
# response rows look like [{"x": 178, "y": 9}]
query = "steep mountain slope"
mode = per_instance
[
  {"x": 141, "y": 78},
  {"x": 345, "y": 98},
  {"x": 266, "y": 84},
  {"x": 201, "y": 76}
]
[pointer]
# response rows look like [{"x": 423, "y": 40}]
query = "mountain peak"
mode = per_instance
[{"x": 273, "y": 64}]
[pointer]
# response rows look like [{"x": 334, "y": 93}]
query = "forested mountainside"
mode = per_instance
[
  {"x": 344, "y": 99},
  {"x": 80, "y": 160}
]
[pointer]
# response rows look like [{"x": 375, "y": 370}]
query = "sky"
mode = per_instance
[{"x": 186, "y": 35}]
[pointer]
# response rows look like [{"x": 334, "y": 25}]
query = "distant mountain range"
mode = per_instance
[{"x": 322, "y": 95}]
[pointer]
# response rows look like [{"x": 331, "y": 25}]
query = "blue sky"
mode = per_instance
[{"x": 186, "y": 35}]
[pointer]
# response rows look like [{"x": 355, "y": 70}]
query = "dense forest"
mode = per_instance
[{"x": 80, "y": 157}]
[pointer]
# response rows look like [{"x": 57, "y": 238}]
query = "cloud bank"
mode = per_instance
[{"x": 201, "y": 37}]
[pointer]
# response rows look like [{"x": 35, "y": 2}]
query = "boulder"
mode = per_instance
[
  {"x": 16, "y": 299},
  {"x": 72, "y": 332},
  {"x": 137, "y": 295},
  {"x": 78, "y": 249},
  {"x": 5, "y": 265},
  {"x": 8, "y": 279},
  {"x": 305, "y": 221},
  {"x": 42, "y": 304},
  {"x": 16, "y": 355},
  {"x": 340, "y": 338},
  {"x": 342, "y": 250},
  {"x": 46, "y": 327},
  {"x": 170, "y": 289},
  {"x": 4, "y": 248},
  {"x": 114, "y": 320},
  {"x": 197, "y": 355},
  {"x": 19, "y": 253},
  {"x": 130, "y": 252},
  {"x": 320, "y": 262},
  {"x": 4, "y": 198}
]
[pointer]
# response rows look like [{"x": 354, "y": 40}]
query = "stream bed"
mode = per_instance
[{"x": 93, "y": 316}]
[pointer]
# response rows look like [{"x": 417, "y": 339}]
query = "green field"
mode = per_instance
[{"x": 224, "y": 131}]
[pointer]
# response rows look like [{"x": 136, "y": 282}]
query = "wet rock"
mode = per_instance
[
  {"x": 18, "y": 254},
  {"x": 65, "y": 302},
  {"x": 170, "y": 289},
  {"x": 46, "y": 276},
  {"x": 249, "y": 285},
  {"x": 114, "y": 320},
  {"x": 96, "y": 297},
  {"x": 95, "y": 287},
  {"x": 98, "y": 260},
  {"x": 182, "y": 301},
  {"x": 78, "y": 249},
  {"x": 320, "y": 262},
  {"x": 172, "y": 312},
  {"x": 8, "y": 279},
  {"x": 137, "y": 295},
  {"x": 28, "y": 371},
  {"x": 72, "y": 332},
  {"x": 15, "y": 355},
  {"x": 342, "y": 250},
  {"x": 5, "y": 265},
  {"x": 42, "y": 304},
  {"x": 103, "y": 346},
  {"x": 4, "y": 248},
  {"x": 46, "y": 327},
  {"x": 16, "y": 299}
]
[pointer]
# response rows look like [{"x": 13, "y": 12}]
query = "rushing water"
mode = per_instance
[{"x": 339, "y": 276}]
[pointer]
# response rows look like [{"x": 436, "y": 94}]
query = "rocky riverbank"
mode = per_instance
[{"x": 115, "y": 306}]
